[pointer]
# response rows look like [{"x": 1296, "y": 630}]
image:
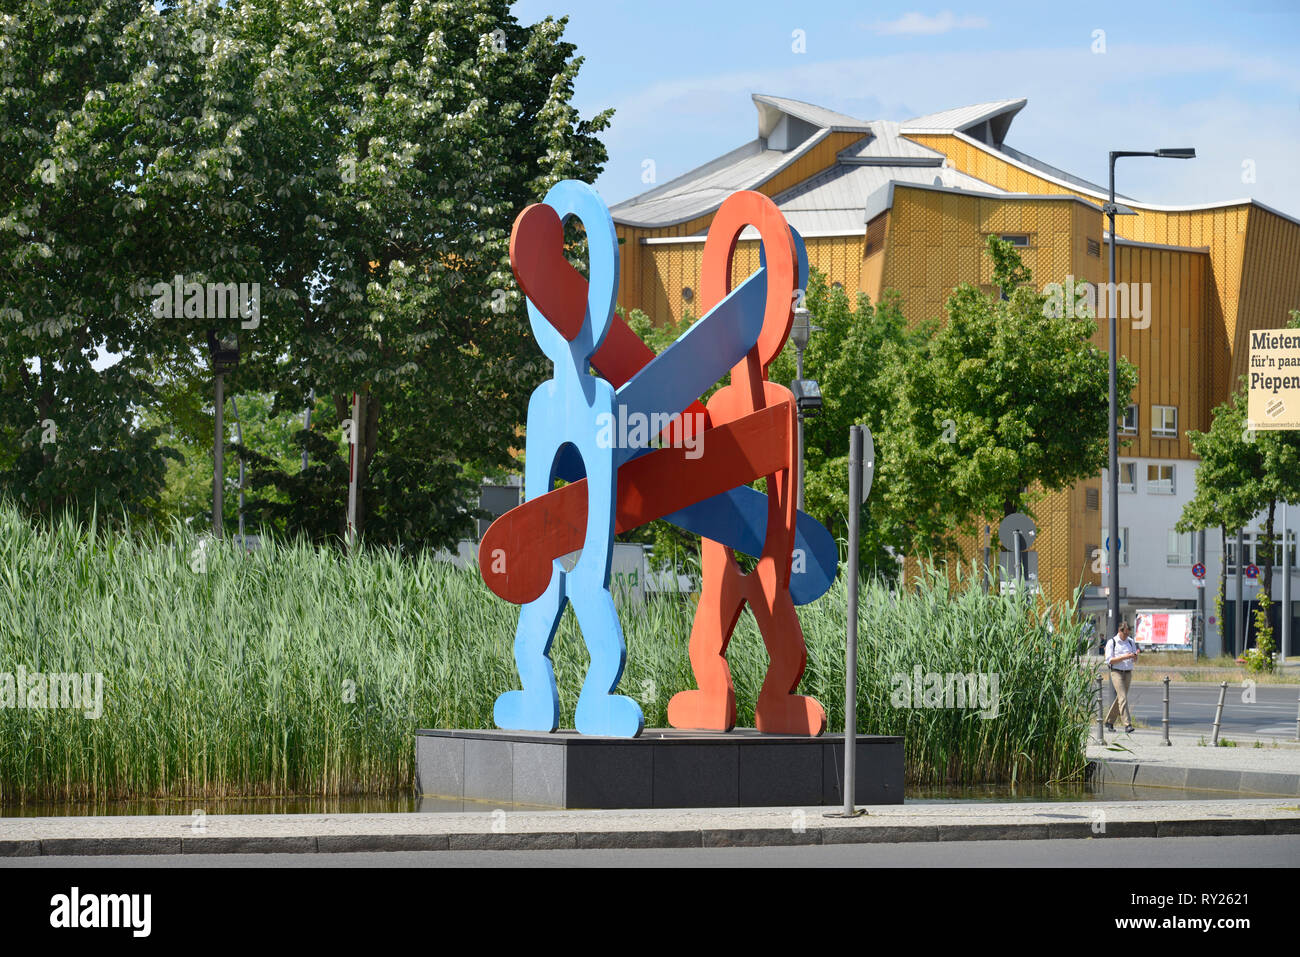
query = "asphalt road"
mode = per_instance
[
  {"x": 1242, "y": 851},
  {"x": 1191, "y": 708}
]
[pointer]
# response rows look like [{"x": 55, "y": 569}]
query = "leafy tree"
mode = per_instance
[
  {"x": 847, "y": 357},
  {"x": 1003, "y": 402},
  {"x": 395, "y": 145},
  {"x": 74, "y": 233},
  {"x": 1241, "y": 474},
  {"x": 362, "y": 163}
]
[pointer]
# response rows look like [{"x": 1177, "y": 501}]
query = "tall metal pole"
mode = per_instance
[
  {"x": 1240, "y": 616},
  {"x": 851, "y": 648},
  {"x": 1199, "y": 645},
  {"x": 239, "y": 440},
  {"x": 1286, "y": 589},
  {"x": 1112, "y": 558},
  {"x": 218, "y": 453},
  {"x": 353, "y": 468}
]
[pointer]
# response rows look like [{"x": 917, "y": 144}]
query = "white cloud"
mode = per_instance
[{"x": 920, "y": 24}]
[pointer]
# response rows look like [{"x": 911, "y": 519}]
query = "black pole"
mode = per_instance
[
  {"x": 1239, "y": 625},
  {"x": 218, "y": 454},
  {"x": 1199, "y": 646},
  {"x": 1112, "y": 548}
]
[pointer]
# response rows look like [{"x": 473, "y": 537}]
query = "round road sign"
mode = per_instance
[
  {"x": 1198, "y": 570},
  {"x": 1252, "y": 571}
]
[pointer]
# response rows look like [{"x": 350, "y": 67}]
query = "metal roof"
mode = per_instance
[
  {"x": 703, "y": 189},
  {"x": 1056, "y": 172},
  {"x": 841, "y": 199},
  {"x": 772, "y": 108},
  {"x": 963, "y": 117},
  {"x": 836, "y": 201},
  {"x": 884, "y": 146},
  {"x": 881, "y": 150}
]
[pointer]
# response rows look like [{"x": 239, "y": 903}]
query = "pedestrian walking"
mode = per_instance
[{"x": 1121, "y": 653}]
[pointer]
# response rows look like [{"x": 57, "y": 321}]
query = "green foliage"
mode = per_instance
[
  {"x": 1242, "y": 473},
  {"x": 847, "y": 357},
  {"x": 74, "y": 233},
  {"x": 296, "y": 670},
  {"x": 361, "y": 162},
  {"x": 998, "y": 405},
  {"x": 1260, "y": 657}
]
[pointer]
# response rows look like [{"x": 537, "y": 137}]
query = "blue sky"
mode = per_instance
[{"x": 1223, "y": 78}]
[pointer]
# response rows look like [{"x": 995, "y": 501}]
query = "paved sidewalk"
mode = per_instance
[
  {"x": 517, "y": 830},
  {"x": 1142, "y": 758}
]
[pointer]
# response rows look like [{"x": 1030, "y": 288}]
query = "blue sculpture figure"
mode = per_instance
[{"x": 563, "y": 414}]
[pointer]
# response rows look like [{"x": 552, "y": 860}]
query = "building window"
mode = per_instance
[
  {"x": 1128, "y": 423},
  {"x": 1094, "y": 248},
  {"x": 1164, "y": 421},
  {"x": 1160, "y": 479},
  {"x": 1019, "y": 240},
  {"x": 1277, "y": 549},
  {"x": 1253, "y": 548},
  {"x": 1180, "y": 548},
  {"x": 1248, "y": 550},
  {"x": 1128, "y": 476}
]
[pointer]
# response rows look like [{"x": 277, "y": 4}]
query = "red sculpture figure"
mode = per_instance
[{"x": 726, "y": 589}]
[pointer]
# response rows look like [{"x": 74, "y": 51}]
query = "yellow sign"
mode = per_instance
[{"x": 1274, "y": 379}]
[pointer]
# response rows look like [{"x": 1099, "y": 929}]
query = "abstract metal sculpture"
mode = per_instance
[{"x": 621, "y": 481}]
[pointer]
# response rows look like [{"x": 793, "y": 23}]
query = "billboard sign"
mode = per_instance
[
  {"x": 1164, "y": 629},
  {"x": 1274, "y": 402}
]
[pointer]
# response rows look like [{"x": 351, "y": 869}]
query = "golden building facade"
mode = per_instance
[{"x": 908, "y": 206}]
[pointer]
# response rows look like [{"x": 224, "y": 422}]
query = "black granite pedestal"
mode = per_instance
[{"x": 663, "y": 768}]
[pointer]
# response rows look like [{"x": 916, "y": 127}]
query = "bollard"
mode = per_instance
[
  {"x": 1165, "y": 720},
  {"x": 1101, "y": 714},
  {"x": 1218, "y": 712}
]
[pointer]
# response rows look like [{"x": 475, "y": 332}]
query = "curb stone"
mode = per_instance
[{"x": 1217, "y": 826}]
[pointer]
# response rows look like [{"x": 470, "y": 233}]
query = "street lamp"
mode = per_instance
[
  {"x": 807, "y": 393},
  {"x": 224, "y": 352},
  {"x": 1113, "y": 543}
]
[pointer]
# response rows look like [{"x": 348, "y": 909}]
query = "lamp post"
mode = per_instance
[
  {"x": 1113, "y": 543},
  {"x": 239, "y": 440},
  {"x": 225, "y": 358},
  {"x": 807, "y": 394}
]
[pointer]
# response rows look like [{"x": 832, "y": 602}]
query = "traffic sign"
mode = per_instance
[
  {"x": 1252, "y": 571},
  {"x": 1198, "y": 570},
  {"x": 1015, "y": 524},
  {"x": 1199, "y": 582}
]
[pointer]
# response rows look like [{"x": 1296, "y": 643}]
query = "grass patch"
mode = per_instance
[{"x": 300, "y": 671}]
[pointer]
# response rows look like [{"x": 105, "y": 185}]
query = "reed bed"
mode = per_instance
[{"x": 300, "y": 671}]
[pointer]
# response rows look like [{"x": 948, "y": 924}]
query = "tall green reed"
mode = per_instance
[{"x": 294, "y": 670}]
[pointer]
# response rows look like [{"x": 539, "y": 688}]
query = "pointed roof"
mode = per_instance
[
  {"x": 787, "y": 129},
  {"x": 986, "y": 122},
  {"x": 772, "y": 108}
]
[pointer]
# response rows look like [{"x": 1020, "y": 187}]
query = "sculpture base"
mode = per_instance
[{"x": 663, "y": 768}]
